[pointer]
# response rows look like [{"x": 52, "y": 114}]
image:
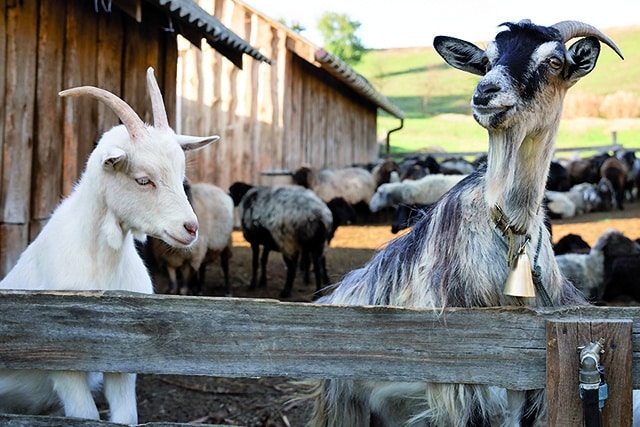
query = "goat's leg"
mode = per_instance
[
  {"x": 318, "y": 268},
  {"x": 74, "y": 393},
  {"x": 292, "y": 265},
  {"x": 120, "y": 392},
  {"x": 224, "y": 263}
]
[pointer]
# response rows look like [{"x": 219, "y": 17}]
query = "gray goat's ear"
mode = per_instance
[
  {"x": 189, "y": 143},
  {"x": 114, "y": 160},
  {"x": 461, "y": 54},
  {"x": 583, "y": 56}
]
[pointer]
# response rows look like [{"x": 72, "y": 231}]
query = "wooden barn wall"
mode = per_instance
[
  {"x": 47, "y": 46},
  {"x": 270, "y": 117}
]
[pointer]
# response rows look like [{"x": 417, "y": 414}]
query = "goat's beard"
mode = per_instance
[{"x": 501, "y": 165}]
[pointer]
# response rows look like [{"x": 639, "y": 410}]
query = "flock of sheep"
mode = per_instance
[{"x": 489, "y": 213}]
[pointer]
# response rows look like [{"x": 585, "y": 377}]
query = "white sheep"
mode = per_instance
[
  {"x": 424, "y": 191},
  {"x": 354, "y": 184},
  {"x": 131, "y": 186},
  {"x": 214, "y": 209},
  {"x": 559, "y": 204}
]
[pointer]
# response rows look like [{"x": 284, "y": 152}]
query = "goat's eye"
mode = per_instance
[
  {"x": 144, "y": 181},
  {"x": 555, "y": 62},
  {"x": 486, "y": 64}
]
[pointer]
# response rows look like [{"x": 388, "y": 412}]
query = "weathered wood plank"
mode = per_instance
[
  {"x": 19, "y": 99},
  {"x": 14, "y": 238},
  {"x": 242, "y": 338},
  {"x": 80, "y": 113},
  {"x": 47, "y": 158}
]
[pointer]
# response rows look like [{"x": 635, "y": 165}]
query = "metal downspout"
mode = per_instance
[{"x": 388, "y": 153}]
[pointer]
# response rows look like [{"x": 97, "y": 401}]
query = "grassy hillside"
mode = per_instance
[{"x": 435, "y": 98}]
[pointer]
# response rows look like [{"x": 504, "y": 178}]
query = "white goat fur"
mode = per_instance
[
  {"x": 214, "y": 209},
  {"x": 424, "y": 191},
  {"x": 132, "y": 185}
]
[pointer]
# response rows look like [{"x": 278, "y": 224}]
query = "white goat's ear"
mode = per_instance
[
  {"x": 189, "y": 143},
  {"x": 114, "y": 160},
  {"x": 461, "y": 54}
]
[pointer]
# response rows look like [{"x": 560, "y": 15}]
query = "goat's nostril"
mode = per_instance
[
  {"x": 191, "y": 227},
  {"x": 485, "y": 92}
]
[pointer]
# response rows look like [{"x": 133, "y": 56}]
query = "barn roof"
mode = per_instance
[
  {"x": 194, "y": 23},
  {"x": 343, "y": 72}
]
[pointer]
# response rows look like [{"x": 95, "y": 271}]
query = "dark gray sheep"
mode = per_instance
[{"x": 285, "y": 219}]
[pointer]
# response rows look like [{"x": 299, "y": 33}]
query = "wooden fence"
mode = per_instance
[{"x": 514, "y": 347}]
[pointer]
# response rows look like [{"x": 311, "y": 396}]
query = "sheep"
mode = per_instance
[
  {"x": 405, "y": 216},
  {"x": 214, "y": 209},
  {"x": 558, "y": 179},
  {"x": 621, "y": 261},
  {"x": 343, "y": 214},
  {"x": 585, "y": 271},
  {"x": 571, "y": 243},
  {"x": 457, "y": 165},
  {"x": 354, "y": 184},
  {"x": 559, "y": 205},
  {"x": 586, "y": 197},
  {"x": 593, "y": 272},
  {"x": 459, "y": 254},
  {"x": 284, "y": 219},
  {"x": 616, "y": 172},
  {"x": 423, "y": 191},
  {"x": 131, "y": 187}
]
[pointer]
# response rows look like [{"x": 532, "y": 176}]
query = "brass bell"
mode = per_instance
[{"x": 520, "y": 282}]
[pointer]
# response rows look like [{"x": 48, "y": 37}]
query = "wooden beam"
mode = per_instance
[{"x": 236, "y": 337}]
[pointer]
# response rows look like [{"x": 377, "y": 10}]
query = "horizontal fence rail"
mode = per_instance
[{"x": 237, "y": 337}]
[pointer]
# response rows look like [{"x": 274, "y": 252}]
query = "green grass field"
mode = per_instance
[{"x": 435, "y": 99}]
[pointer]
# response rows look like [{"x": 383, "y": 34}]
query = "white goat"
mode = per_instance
[
  {"x": 462, "y": 251},
  {"x": 424, "y": 191},
  {"x": 131, "y": 186}
]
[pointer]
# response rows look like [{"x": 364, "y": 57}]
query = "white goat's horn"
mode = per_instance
[
  {"x": 160, "y": 120},
  {"x": 132, "y": 122},
  {"x": 571, "y": 29}
]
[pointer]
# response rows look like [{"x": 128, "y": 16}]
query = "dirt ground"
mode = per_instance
[{"x": 267, "y": 401}]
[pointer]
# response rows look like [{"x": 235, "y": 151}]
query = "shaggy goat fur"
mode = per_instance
[{"x": 457, "y": 254}]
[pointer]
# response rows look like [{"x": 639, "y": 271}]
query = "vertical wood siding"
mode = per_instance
[{"x": 270, "y": 117}]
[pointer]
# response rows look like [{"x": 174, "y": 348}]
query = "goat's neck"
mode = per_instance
[
  {"x": 98, "y": 220},
  {"x": 517, "y": 169}
]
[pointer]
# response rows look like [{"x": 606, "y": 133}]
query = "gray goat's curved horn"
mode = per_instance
[
  {"x": 160, "y": 120},
  {"x": 132, "y": 122},
  {"x": 571, "y": 29}
]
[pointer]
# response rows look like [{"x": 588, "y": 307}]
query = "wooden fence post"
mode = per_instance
[{"x": 563, "y": 399}]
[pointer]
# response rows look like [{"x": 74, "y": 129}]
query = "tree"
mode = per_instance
[
  {"x": 339, "y": 34},
  {"x": 294, "y": 25}
]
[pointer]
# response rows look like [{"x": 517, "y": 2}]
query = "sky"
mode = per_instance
[{"x": 414, "y": 23}]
